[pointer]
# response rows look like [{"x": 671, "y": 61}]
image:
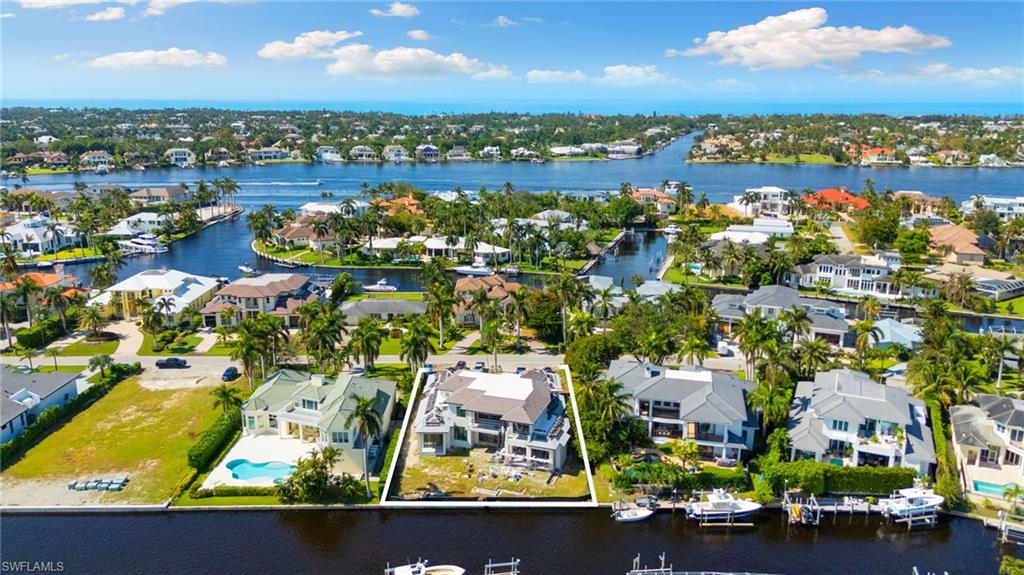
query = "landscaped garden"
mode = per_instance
[
  {"x": 177, "y": 346},
  {"x": 85, "y": 347}
]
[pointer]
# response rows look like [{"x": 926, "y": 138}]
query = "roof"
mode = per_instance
[
  {"x": 517, "y": 398},
  {"x": 893, "y": 331},
  {"x": 41, "y": 384},
  {"x": 972, "y": 427},
  {"x": 836, "y": 197},
  {"x": 40, "y": 280},
  {"x": 166, "y": 192},
  {"x": 365, "y": 307},
  {"x": 961, "y": 239},
  {"x": 853, "y": 396},
  {"x": 266, "y": 285},
  {"x": 1004, "y": 410},
  {"x": 182, "y": 288}
]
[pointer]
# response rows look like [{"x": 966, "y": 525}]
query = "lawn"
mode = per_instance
[
  {"x": 411, "y": 296},
  {"x": 83, "y": 347},
  {"x": 804, "y": 159},
  {"x": 392, "y": 346},
  {"x": 67, "y": 368},
  {"x": 145, "y": 433},
  {"x": 219, "y": 350},
  {"x": 191, "y": 342},
  {"x": 1012, "y": 306},
  {"x": 70, "y": 253}
]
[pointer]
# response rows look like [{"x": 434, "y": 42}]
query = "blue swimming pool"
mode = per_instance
[
  {"x": 248, "y": 470},
  {"x": 987, "y": 488}
]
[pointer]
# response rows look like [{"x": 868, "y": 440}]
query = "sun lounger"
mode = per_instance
[
  {"x": 102, "y": 485},
  {"x": 116, "y": 487},
  {"x": 91, "y": 485}
]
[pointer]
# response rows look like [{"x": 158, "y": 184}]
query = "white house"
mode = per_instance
[
  {"x": 182, "y": 157},
  {"x": 428, "y": 153},
  {"x": 96, "y": 158},
  {"x": 1005, "y": 207},
  {"x": 771, "y": 227},
  {"x": 362, "y": 154},
  {"x": 856, "y": 275},
  {"x": 136, "y": 224},
  {"x": 490, "y": 152},
  {"x": 395, "y": 153},
  {"x": 268, "y": 153},
  {"x": 327, "y": 155},
  {"x": 988, "y": 439},
  {"x": 172, "y": 291},
  {"x": 278, "y": 295},
  {"x": 766, "y": 200},
  {"x": 33, "y": 235},
  {"x": 24, "y": 396}
]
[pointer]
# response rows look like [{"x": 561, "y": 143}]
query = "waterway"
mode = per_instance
[{"x": 564, "y": 542}]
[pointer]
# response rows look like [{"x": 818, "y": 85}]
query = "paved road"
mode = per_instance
[{"x": 843, "y": 243}]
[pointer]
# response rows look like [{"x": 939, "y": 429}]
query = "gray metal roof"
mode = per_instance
[
  {"x": 370, "y": 306},
  {"x": 1001, "y": 409},
  {"x": 972, "y": 427},
  {"x": 42, "y": 384},
  {"x": 526, "y": 411}
]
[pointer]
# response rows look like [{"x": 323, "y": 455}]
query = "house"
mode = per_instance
[
  {"x": 385, "y": 310},
  {"x": 770, "y": 227},
  {"x": 302, "y": 232},
  {"x": 953, "y": 157},
  {"x": 179, "y": 289},
  {"x": 524, "y": 154},
  {"x": 892, "y": 332},
  {"x": 136, "y": 224},
  {"x": 876, "y": 156},
  {"x": 327, "y": 155},
  {"x": 438, "y": 246},
  {"x": 148, "y": 196},
  {"x": 267, "y": 153},
  {"x": 856, "y": 275},
  {"x": 56, "y": 159},
  {"x": 991, "y": 161},
  {"x": 42, "y": 281},
  {"x": 215, "y": 155},
  {"x": 362, "y": 154},
  {"x": 428, "y": 153},
  {"x": 921, "y": 204},
  {"x": 400, "y": 204},
  {"x": 279, "y": 295},
  {"x": 96, "y": 158},
  {"x": 988, "y": 440},
  {"x": 181, "y": 157},
  {"x": 458, "y": 153},
  {"x": 497, "y": 288},
  {"x": 490, "y": 152},
  {"x": 311, "y": 408},
  {"x": 987, "y": 282},
  {"x": 45, "y": 140},
  {"x": 958, "y": 244},
  {"x": 828, "y": 319},
  {"x": 33, "y": 235},
  {"x": 348, "y": 207},
  {"x": 766, "y": 200},
  {"x": 836, "y": 198},
  {"x": 566, "y": 151},
  {"x": 663, "y": 202},
  {"x": 708, "y": 407},
  {"x": 521, "y": 415},
  {"x": 395, "y": 153},
  {"x": 1005, "y": 207},
  {"x": 24, "y": 396},
  {"x": 845, "y": 418}
]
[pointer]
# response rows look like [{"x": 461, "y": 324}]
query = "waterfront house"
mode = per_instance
[
  {"x": 995, "y": 284},
  {"x": 458, "y": 153},
  {"x": 381, "y": 309},
  {"x": 136, "y": 224},
  {"x": 33, "y": 235},
  {"x": 428, "y": 153},
  {"x": 362, "y": 154},
  {"x": 521, "y": 415},
  {"x": 845, "y": 418},
  {"x": 301, "y": 232},
  {"x": 1006, "y": 207},
  {"x": 267, "y": 153},
  {"x": 953, "y": 157},
  {"x": 348, "y": 207},
  {"x": 828, "y": 319},
  {"x": 311, "y": 408},
  {"x": 395, "y": 153},
  {"x": 767, "y": 200},
  {"x": 159, "y": 195},
  {"x": 921, "y": 204},
  {"x": 838, "y": 199},
  {"x": 524, "y": 154},
  {"x": 958, "y": 244},
  {"x": 855, "y": 275},
  {"x": 490, "y": 152},
  {"x": 400, "y": 204},
  {"x": 279, "y": 295},
  {"x": 55, "y": 160},
  {"x": 327, "y": 155},
  {"x": 988, "y": 439},
  {"x": 96, "y": 158},
  {"x": 769, "y": 227},
  {"x": 181, "y": 157},
  {"x": 24, "y": 396},
  {"x": 497, "y": 287},
  {"x": 438, "y": 246},
  {"x": 42, "y": 281},
  {"x": 663, "y": 203},
  {"x": 892, "y": 332},
  {"x": 180, "y": 289},
  {"x": 708, "y": 407},
  {"x": 215, "y": 155},
  {"x": 566, "y": 151}
]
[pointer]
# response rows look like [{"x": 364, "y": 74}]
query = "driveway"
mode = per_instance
[
  {"x": 129, "y": 334},
  {"x": 843, "y": 244}
]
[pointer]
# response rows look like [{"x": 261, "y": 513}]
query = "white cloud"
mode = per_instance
[
  {"x": 62, "y": 56},
  {"x": 39, "y": 4},
  {"x": 555, "y": 76},
  {"x": 110, "y": 13},
  {"x": 504, "y": 22},
  {"x": 942, "y": 73},
  {"x": 7, "y": 14},
  {"x": 730, "y": 84},
  {"x": 627, "y": 76},
  {"x": 315, "y": 44},
  {"x": 798, "y": 39},
  {"x": 361, "y": 60},
  {"x": 533, "y": 19},
  {"x": 169, "y": 58},
  {"x": 419, "y": 35},
  {"x": 397, "y": 9},
  {"x": 158, "y": 7}
]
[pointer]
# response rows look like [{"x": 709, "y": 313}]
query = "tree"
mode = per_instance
[
  {"x": 343, "y": 286},
  {"x": 812, "y": 355},
  {"x": 101, "y": 362},
  {"x": 366, "y": 420},
  {"x": 866, "y": 336},
  {"x": 226, "y": 397},
  {"x": 440, "y": 301},
  {"x": 314, "y": 480},
  {"x": 8, "y": 307},
  {"x": 687, "y": 451},
  {"x": 366, "y": 340},
  {"x": 796, "y": 321},
  {"x": 415, "y": 345},
  {"x": 92, "y": 318},
  {"x": 1013, "y": 493},
  {"x": 25, "y": 289}
]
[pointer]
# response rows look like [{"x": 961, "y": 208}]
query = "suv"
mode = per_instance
[
  {"x": 230, "y": 374},
  {"x": 171, "y": 363}
]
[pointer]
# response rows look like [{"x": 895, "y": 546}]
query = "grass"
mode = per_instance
[
  {"x": 45, "y": 171},
  {"x": 146, "y": 348},
  {"x": 143, "y": 432},
  {"x": 1012, "y": 306},
  {"x": 84, "y": 347},
  {"x": 804, "y": 159},
  {"x": 603, "y": 484},
  {"x": 219, "y": 350},
  {"x": 392, "y": 346},
  {"x": 69, "y": 254},
  {"x": 411, "y": 296},
  {"x": 62, "y": 368}
]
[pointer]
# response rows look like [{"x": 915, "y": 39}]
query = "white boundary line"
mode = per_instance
[{"x": 427, "y": 504}]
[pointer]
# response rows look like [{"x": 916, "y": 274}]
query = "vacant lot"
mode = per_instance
[{"x": 136, "y": 430}]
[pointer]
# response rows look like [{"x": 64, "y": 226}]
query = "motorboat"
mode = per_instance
[
  {"x": 102, "y": 169},
  {"x": 319, "y": 182},
  {"x": 139, "y": 168},
  {"x": 142, "y": 244},
  {"x": 511, "y": 271},
  {"x": 477, "y": 268},
  {"x": 420, "y": 567},
  {"x": 911, "y": 501},
  {"x": 223, "y": 164},
  {"x": 381, "y": 285},
  {"x": 632, "y": 514},
  {"x": 260, "y": 164},
  {"x": 721, "y": 505},
  {"x": 45, "y": 264},
  {"x": 672, "y": 229},
  {"x": 246, "y": 269}
]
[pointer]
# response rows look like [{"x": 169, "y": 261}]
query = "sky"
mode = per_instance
[{"x": 238, "y": 50}]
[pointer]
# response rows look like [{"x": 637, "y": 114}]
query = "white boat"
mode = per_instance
[
  {"x": 421, "y": 568},
  {"x": 46, "y": 264},
  {"x": 142, "y": 244},
  {"x": 102, "y": 169},
  {"x": 381, "y": 285},
  {"x": 721, "y": 505},
  {"x": 511, "y": 271},
  {"x": 319, "y": 182},
  {"x": 223, "y": 164},
  {"x": 260, "y": 164},
  {"x": 139, "y": 167},
  {"x": 477, "y": 268},
  {"x": 672, "y": 229},
  {"x": 631, "y": 514},
  {"x": 246, "y": 270},
  {"x": 911, "y": 501}
]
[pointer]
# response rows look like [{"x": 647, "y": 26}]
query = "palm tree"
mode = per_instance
[
  {"x": 101, "y": 362},
  {"x": 59, "y": 302},
  {"x": 693, "y": 348},
  {"x": 796, "y": 321},
  {"x": 226, "y": 397},
  {"x": 246, "y": 349},
  {"x": 91, "y": 318},
  {"x": 440, "y": 301},
  {"x": 518, "y": 310},
  {"x": 964, "y": 382},
  {"x": 581, "y": 324},
  {"x": 8, "y": 308},
  {"x": 871, "y": 307},
  {"x": 366, "y": 340},
  {"x": 604, "y": 305},
  {"x": 867, "y": 335},
  {"x": 812, "y": 355},
  {"x": 25, "y": 289},
  {"x": 27, "y": 354},
  {"x": 415, "y": 345},
  {"x": 165, "y": 305},
  {"x": 612, "y": 403},
  {"x": 367, "y": 421},
  {"x": 54, "y": 353},
  {"x": 1013, "y": 493}
]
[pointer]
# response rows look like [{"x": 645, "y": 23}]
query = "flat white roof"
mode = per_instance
[{"x": 505, "y": 385}]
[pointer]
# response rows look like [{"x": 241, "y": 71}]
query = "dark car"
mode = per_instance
[
  {"x": 171, "y": 363},
  {"x": 479, "y": 366},
  {"x": 230, "y": 374}
]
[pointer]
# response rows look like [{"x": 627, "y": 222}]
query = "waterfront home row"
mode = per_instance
[
  {"x": 856, "y": 275},
  {"x": 828, "y": 319},
  {"x": 274, "y": 294}
]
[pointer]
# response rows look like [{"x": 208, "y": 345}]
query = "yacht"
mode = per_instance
[
  {"x": 246, "y": 269},
  {"x": 911, "y": 501},
  {"x": 420, "y": 567},
  {"x": 139, "y": 168},
  {"x": 671, "y": 229},
  {"x": 45, "y": 264},
  {"x": 721, "y": 505},
  {"x": 102, "y": 169},
  {"x": 142, "y": 244},
  {"x": 319, "y": 182},
  {"x": 381, "y": 285},
  {"x": 223, "y": 164},
  {"x": 260, "y": 164},
  {"x": 625, "y": 513},
  {"x": 477, "y": 268}
]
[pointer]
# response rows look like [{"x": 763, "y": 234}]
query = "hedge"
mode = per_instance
[
  {"x": 938, "y": 430},
  {"x": 216, "y": 437},
  {"x": 598, "y": 350},
  {"x": 818, "y": 478},
  {"x": 672, "y": 475},
  {"x": 41, "y": 334},
  {"x": 230, "y": 491},
  {"x": 51, "y": 419},
  {"x": 389, "y": 455}
]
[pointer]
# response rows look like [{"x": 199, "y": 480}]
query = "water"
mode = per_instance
[
  {"x": 548, "y": 542},
  {"x": 245, "y": 469},
  {"x": 638, "y": 255}
]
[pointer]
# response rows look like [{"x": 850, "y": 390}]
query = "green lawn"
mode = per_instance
[
  {"x": 83, "y": 347},
  {"x": 68, "y": 368},
  {"x": 392, "y": 346},
  {"x": 804, "y": 159},
  {"x": 1013, "y": 306},
  {"x": 67, "y": 254},
  {"x": 191, "y": 342},
  {"x": 145, "y": 433},
  {"x": 219, "y": 350},
  {"x": 411, "y": 296}
]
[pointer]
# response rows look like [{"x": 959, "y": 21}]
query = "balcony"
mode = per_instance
[
  {"x": 701, "y": 436},
  {"x": 487, "y": 424}
]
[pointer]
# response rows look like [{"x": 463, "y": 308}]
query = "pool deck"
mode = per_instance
[
  {"x": 991, "y": 474},
  {"x": 258, "y": 449}
]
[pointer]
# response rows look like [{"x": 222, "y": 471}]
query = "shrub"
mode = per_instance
[
  {"x": 818, "y": 478},
  {"x": 806, "y": 475},
  {"x": 389, "y": 455},
  {"x": 41, "y": 334},
  {"x": 230, "y": 491},
  {"x": 597, "y": 349},
  {"x": 214, "y": 440}
]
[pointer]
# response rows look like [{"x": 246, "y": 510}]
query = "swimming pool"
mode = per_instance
[
  {"x": 990, "y": 488},
  {"x": 277, "y": 471}
]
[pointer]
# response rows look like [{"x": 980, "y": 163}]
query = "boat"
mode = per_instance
[
  {"x": 223, "y": 164},
  {"x": 420, "y": 567},
  {"x": 142, "y": 244},
  {"x": 671, "y": 229},
  {"x": 721, "y": 505},
  {"x": 319, "y": 182},
  {"x": 477, "y": 268},
  {"x": 260, "y": 164},
  {"x": 381, "y": 285},
  {"x": 623, "y": 512},
  {"x": 139, "y": 167},
  {"x": 46, "y": 264},
  {"x": 911, "y": 501},
  {"x": 246, "y": 270},
  {"x": 102, "y": 169},
  {"x": 511, "y": 271}
]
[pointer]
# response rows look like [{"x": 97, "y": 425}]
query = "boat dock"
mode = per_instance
[
  {"x": 666, "y": 569},
  {"x": 809, "y": 511},
  {"x": 610, "y": 246},
  {"x": 1010, "y": 527},
  {"x": 506, "y": 568}
]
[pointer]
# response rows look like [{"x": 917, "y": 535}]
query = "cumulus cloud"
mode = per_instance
[
  {"x": 419, "y": 35},
  {"x": 504, "y": 22},
  {"x": 555, "y": 76},
  {"x": 362, "y": 61},
  {"x": 110, "y": 13},
  {"x": 315, "y": 44},
  {"x": 625, "y": 75},
  {"x": 152, "y": 59},
  {"x": 62, "y": 56},
  {"x": 397, "y": 10},
  {"x": 942, "y": 73},
  {"x": 799, "y": 39},
  {"x": 158, "y": 7}
]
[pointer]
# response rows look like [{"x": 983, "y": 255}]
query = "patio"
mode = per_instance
[{"x": 258, "y": 449}]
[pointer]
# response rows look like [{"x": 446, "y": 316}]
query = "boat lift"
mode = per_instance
[
  {"x": 801, "y": 512},
  {"x": 1010, "y": 527},
  {"x": 506, "y": 568},
  {"x": 664, "y": 569}
]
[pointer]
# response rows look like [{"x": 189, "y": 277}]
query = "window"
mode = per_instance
[
  {"x": 459, "y": 412},
  {"x": 250, "y": 422},
  {"x": 1016, "y": 434},
  {"x": 459, "y": 433},
  {"x": 1011, "y": 458},
  {"x": 339, "y": 437},
  {"x": 839, "y": 425},
  {"x": 309, "y": 404},
  {"x": 837, "y": 446},
  {"x": 273, "y": 421}
]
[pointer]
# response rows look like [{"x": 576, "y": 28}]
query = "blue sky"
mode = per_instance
[{"x": 176, "y": 50}]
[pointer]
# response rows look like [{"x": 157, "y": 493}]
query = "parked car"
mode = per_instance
[
  {"x": 428, "y": 367},
  {"x": 520, "y": 369},
  {"x": 479, "y": 366},
  {"x": 230, "y": 374},
  {"x": 171, "y": 363}
]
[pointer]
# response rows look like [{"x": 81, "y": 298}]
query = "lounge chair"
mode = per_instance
[
  {"x": 91, "y": 485},
  {"x": 102, "y": 485}
]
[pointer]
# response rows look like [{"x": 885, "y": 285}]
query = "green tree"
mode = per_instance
[
  {"x": 226, "y": 397},
  {"x": 366, "y": 420}
]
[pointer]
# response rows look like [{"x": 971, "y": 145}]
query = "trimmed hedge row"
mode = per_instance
[
  {"x": 230, "y": 491},
  {"x": 389, "y": 455},
  {"x": 210, "y": 444},
  {"x": 820, "y": 478},
  {"x": 51, "y": 419},
  {"x": 41, "y": 333}
]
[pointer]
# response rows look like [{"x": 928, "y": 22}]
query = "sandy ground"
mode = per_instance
[
  {"x": 159, "y": 379},
  {"x": 54, "y": 491}
]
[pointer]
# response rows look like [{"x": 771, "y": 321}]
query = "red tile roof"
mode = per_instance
[{"x": 836, "y": 197}]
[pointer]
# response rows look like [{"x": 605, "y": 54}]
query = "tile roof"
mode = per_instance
[{"x": 836, "y": 197}]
